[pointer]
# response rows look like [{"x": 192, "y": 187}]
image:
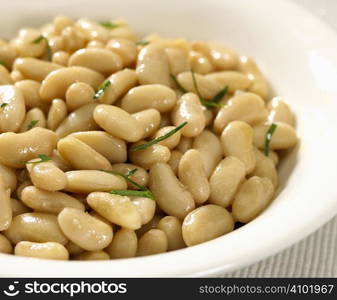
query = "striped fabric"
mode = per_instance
[{"x": 315, "y": 256}]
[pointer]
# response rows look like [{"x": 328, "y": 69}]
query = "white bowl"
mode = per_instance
[{"x": 297, "y": 53}]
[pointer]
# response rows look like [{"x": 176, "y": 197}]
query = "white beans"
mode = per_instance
[
  {"x": 117, "y": 209},
  {"x": 84, "y": 230},
  {"x": 172, "y": 228},
  {"x": 192, "y": 174},
  {"x": 206, "y": 223},
  {"x": 146, "y": 208},
  {"x": 57, "y": 113},
  {"x": 5, "y": 204},
  {"x": 34, "y": 116},
  {"x": 149, "y": 119},
  {"x": 232, "y": 79},
  {"x": 5, "y": 245},
  {"x": 152, "y": 242},
  {"x": 280, "y": 112},
  {"x": 237, "y": 140},
  {"x": 47, "y": 250},
  {"x": 79, "y": 94},
  {"x": 169, "y": 193},
  {"x": 118, "y": 122},
  {"x": 124, "y": 244}
]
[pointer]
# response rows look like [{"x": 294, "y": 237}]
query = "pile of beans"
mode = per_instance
[{"x": 76, "y": 100}]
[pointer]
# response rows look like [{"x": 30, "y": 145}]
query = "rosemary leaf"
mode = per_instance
[
  {"x": 146, "y": 194},
  {"x": 32, "y": 124},
  {"x": 101, "y": 89},
  {"x": 268, "y": 138}
]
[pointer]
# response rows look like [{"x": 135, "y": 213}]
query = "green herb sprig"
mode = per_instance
[
  {"x": 3, "y": 104},
  {"x": 142, "y": 43},
  {"x": 268, "y": 138},
  {"x": 159, "y": 139},
  {"x": 41, "y": 38},
  {"x": 32, "y": 124},
  {"x": 146, "y": 194},
  {"x": 180, "y": 87},
  {"x": 101, "y": 89},
  {"x": 42, "y": 157},
  {"x": 127, "y": 178},
  {"x": 108, "y": 24},
  {"x": 2, "y": 63}
]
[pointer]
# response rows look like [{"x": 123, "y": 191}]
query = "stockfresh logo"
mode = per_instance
[{"x": 12, "y": 289}]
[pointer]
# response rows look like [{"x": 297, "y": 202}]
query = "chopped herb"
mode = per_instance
[
  {"x": 203, "y": 101},
  {"x": 108, "y": 24},
  {"x": 146, "y": 194},
  {"x": 159, "y": 139},
  {"x": 127, "y": 177},
  {"x": 32, "y": 124},
  {"x": 180, "y": 87},
  {"x": 3, "y": 105},
  {"x": 2, "y": 62},
  {"x": 269, "y": 135},
  {"x": 101, "y": 89},
  {"x": 142, "y": 43},
  {"x": 43, "y": 38},
  {"x": 219, "y": 95},
  {"x": 42, "y": 157}
]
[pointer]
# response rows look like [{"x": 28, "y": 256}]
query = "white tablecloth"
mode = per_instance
[{"x": 315, "y": 256}]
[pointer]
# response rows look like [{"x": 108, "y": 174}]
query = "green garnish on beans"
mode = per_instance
[
  {"x": 268, "y": 138},
  {"x": 146, "y": 194},
  {"x": 41, "y": 38},
  {"x": 32, "y": 124},
  {"x": 159, "y": 139},
  {"x": 101, "y": 89},
  {"x": 127, "y": 177},
  {"x": 108, "y": 24},
  {"x": 42, "y": 157}
]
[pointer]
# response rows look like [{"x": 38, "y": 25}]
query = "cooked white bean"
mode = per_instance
[
  {"x": 185, "y": 144},
  {"x": 5, "y": 245},
  {"x": 79, "y": 94},
  {"x": 93, "y": 30},
  {"x": 126, "y": 49},
  {"x": 174, "y": 161},
  {"x": 155, "y": 96},
  {"x": 117, "y": 209},
  {"x": 232, "y": 79},
  {"x": 141, "y": 176},
  {"x": 34, "y": 115},
  {"x": 72, "y": 39},
  {"x": 178, "y": 60},
  {"x": 118, "y": 122},
  {"x": 24, "y": 45},
  {"x": 150, "y": 155},
  {"x": 246, "y": 107},
  {"x": 16, "y": 76},
  {"x": 5, "y": 204},
  {"x": 100, "y": 60},
  {"x": 252, "y": 198},
  {"x": 60, "y": 162},
  {"x": 120, "y": 83},
  {"x": 265, "y": 167},
  {"x": 57, "y": 113},
  {"x": 35, "y": 227},
  {"x": 112, "y": 148},
  {"x": 46, "y": 175},
  {"x": 274, "y": 157},
  {"x": 60, "y": 58},
  {"x": 7, "y": 54},
  {"x": 5, "y": 77},
  {"x": 169, "y": 193},
  {"x": 47, "y": 250},
  {"x": 124, "y": 244},
  {"x": 84, "y": 230},
  {"x": 206, "y": 223},
  {"x": 35, "y": 69},
  {"x": 192, "y": 174},
  {"x": 259, "y": 85},
  {"x": 57, "y": 82},
  {"x": 93, "y": 255},
  {"x": 279, "y": 111},
  {"x": 85, "y": 181},
  {"x": 170, "y": 142},
  {"x": 61, "y": 22},
  {"x": 48, "y": 202},
  {"x": 284, "y": 136},
  {"x": 237, "y": 140},
  {"x": 16, "y": 148},
  {"x": 189, "y": 109},
  {"x": 9, "y": 177},
  {"x": 74, "y": 249},
  {"x": 172, "y": 228},
  {"x": 146, "y": 208},
  {"x": 208, "y": 87},
  {"x": 200, "y": 63},
  {"x": 210, "y": 149},
  {"x": 225, "y": 180},
  {"x": 149, "y": 119},
  {"x": 21, "y": 187},
  {"x": 152, "y": 242},
  {"x": 13, "y": 114},
  {"x": 89, "y": 159},
  {"x": 18, "y": 207}
]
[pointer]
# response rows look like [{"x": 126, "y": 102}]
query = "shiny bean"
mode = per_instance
[
  {"x": 170, "y": 194},
  {"x": 60, "y": 58},
  {"x": 24, "y": 45},
  {"x": 174, "y": 161},
  {"x": 152, "y": 242},
  {"x": 118, "y": 122},
  {"x": 7, "y": 54},
  {"x": 124, "y": 244},
  {"x": 9, "y": 177},
  {"x": 172, "y": 228},
  {"x": 225, "y": 180},
  {"x": 126, "y": 49},
  {"x": 279, "y": 111},
  {"x": 18, "y": 207},
  {"x": 95, "y": 44},
  {"x": 5, "y": 245},
  {"x": 72, "y": 38},
  {"x": 184, "y": 144},
  {"x": 84, "y": 230},
  {"x": 149, "y": 119},
  {"x": 61, "y": 22},
  {"x": 16, "y": 148},
  {"x": 93, "y": 30},
  {"x": 57, "y": 113},
  {"x": 170, "y": 142},
  {"x": 35, "y": 227},
  {"x": 49, "y": 250},
  {"x": 178, "y": 60},
  {"x": 5, "y": 204},
  {"x": 146, "y": 208},
  {"x": 189, "y": 109},
  {"x": 70, "y": 147},
  {"x": 93, "y": 255},
  {"x": 237, "y": 140},
  {"x": 5, "y": 77},
  {"x": 200, "y": 63},
  {"x": 206, "y": 223},
  {"x": 252, "y": 198},
  {"x": 34, "y": 115},
  {"x": 79, "y": 94},
  {"x": 48, "y": 202},
  {"x": 232, "y": 79},
  {"x": 192, "y": 174},
  {"x": 117, "y": 209}
]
